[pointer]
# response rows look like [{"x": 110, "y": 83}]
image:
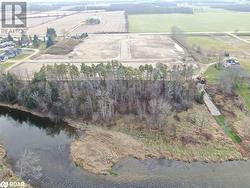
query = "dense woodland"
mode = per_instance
[{"x": 104, "y": 91}]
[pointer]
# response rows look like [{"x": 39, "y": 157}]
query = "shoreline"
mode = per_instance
[
  {"x": 24, "y": 109},
  {"x": 112, "y": 149},
  {"x": 85, "y": 151},
  {"x": 75, "y": 124}
]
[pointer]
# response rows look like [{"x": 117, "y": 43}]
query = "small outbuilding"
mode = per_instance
[{"x": 230, "y": 61}]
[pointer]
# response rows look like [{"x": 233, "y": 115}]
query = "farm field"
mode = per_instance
[
  {"x": 110, "y": 22},
  {"x": 220, "y": 44},
  {"x": 75, "y": 24},
  {"x": 224, "y": 21}
]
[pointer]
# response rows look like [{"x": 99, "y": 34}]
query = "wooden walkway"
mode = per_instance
[{"x": 210, "y": 105}]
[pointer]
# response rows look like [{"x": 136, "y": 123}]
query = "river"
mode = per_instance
[{"x": 20, "y": 132}]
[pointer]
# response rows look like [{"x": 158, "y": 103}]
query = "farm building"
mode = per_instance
[{"x": 93, "y": 21}]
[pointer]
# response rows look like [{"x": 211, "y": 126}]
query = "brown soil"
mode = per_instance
[
  {"x": 63, "y": 47},
  {"x": 229, "y": 105}
]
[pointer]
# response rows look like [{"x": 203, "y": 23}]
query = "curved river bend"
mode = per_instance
[{"x": 20, "y": 131}]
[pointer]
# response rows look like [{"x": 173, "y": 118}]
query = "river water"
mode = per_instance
[{"x": 50, "y": 143}]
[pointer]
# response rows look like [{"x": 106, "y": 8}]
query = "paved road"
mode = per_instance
[
  {"x": 235, "y": 36},
  {"x": 125, "y": 49}
]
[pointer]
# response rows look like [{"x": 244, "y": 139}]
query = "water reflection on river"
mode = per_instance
[{"x": 20, "y": 131}]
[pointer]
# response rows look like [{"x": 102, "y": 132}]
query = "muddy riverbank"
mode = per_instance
[{"x": 99, "y": 149}]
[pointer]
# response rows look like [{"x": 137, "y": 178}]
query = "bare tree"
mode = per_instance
[
  {"x": 28, "y": 165},
  {"x": 159, "y": 110}
]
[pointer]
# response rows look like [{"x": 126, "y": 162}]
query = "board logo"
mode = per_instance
[
  {"x": 14, "y": 14},
  {"x": 4, "y": 184}
]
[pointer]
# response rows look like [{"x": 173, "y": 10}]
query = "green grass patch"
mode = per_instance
[
  {"x": 112, "y": 173},
  {"x": 227, "y": 129},
  {"x": 6, "y": 65},
  {"x": 211, "y": 21},
  {"x": 208, "y": 43},
  {"x": 212, "y": 75}
]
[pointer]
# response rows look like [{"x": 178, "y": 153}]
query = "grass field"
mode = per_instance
[
  {"x": 199, "y": 22},
  {"x": 219, "y": 44},
  {"x": 5, "y": 65},
  {"x": 209, "y": 43},
  {"x": 212, "y": 75}
]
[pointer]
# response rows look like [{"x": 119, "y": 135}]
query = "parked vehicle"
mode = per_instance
[
  {"x": 7, "y": 44},
  {"x": 3, "y": 58}
]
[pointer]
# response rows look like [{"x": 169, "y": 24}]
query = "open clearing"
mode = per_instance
[
  {"x": 225, "y": 21},
  {"x": 129, "y": 49}
]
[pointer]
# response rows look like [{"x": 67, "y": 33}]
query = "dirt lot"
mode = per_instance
[
  {"x": 156, "y": 47},
  {"x": 124, "y": 47},
  {"x": 130, "y": 49}
]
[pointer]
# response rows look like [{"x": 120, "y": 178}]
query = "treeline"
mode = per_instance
[
  {"x": 105, "y": 92},
  {"x": 140, "y": 8},
  {"x": 43, "y": 7},
  {"x": 234, "y": 7}
]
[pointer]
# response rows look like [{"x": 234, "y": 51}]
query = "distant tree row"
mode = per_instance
[{"x": 140, "y": 8}]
